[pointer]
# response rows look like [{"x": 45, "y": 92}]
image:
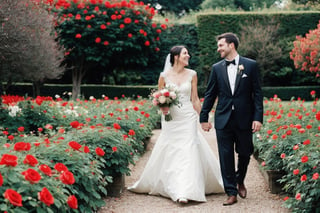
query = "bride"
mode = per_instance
[{"x": 182, "y": 165}]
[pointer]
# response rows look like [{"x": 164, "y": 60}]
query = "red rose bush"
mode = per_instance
[
  {"x": 290, "y": 142},
  {"x": 64, "y": 161}
]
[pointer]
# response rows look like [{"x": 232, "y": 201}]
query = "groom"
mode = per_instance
[{"x": 239, "y": 112}]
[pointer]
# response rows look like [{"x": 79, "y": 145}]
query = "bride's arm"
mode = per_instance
[
  {"x": 161, "y": 82},
  {"x": 194, "y": 94}
]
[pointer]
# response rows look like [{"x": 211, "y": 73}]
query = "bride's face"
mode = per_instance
[{"x": 184, "y": 57}]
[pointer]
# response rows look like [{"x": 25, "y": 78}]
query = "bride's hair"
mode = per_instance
[{"x": 175, "y": 50}]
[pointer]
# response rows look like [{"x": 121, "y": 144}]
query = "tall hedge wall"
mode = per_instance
[{"x": 291, "y": 24}]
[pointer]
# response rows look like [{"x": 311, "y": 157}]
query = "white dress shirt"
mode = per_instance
[{"x": 232, "y": 73}]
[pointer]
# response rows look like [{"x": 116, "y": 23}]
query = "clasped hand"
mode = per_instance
[{"x": 206, "y": 126}]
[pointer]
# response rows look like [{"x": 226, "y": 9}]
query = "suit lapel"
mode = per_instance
[{"x": 238, "y": 78}]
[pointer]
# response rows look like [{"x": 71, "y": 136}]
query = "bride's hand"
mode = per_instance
[
  {"x": 165, "y": 110},
  {"x": 206, "y": 126}
]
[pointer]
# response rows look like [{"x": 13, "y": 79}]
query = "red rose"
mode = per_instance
[
  {"x": 75, "y": 145},
  {"x": 31, "y": 160},
  {"x": 21, "y": 129},
  {"x": 75, "y": 124},
  {"x": 296, "y": 171},
  {"x": 13, "y": 197},
  {"x": 67, "y": 178},
  {"x": 86, "y": 149},
  {"x": 315, "y": 176},
  {"x": 116, "y": 126},
  {"x": 45, "y": 169},
  {"x": 32, "y": 176},
  {"x": 303, "y": 178},
  {"x": 114, "y": 149},
  {"x": 131, "y": 132},
  {"x": 1, "y": 180},
  {"x": 22, "y": 146},
  {"x": 99, "y": 151},
  {"x": 304, "y": 159},
  {"x": 60, "y": 167},
  {"x": 9, "y": 160},
  {"x": 318, "y": 116},
  {"x": 46, "y": 197},
  {"x": 72, "y": 202}
]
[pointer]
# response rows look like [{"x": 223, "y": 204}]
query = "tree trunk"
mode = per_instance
[
  {"x": 78, "y": 73},
  {"x": 36, "y": 85}
]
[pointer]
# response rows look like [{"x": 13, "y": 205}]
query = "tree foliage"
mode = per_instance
[
  {"x": 306, "y": 52},
  {"x": 176, "y": 6},
  {"x": 305, "y": 1},
  {"x": 247, "y": 5},
  {"x": 28, "y": 50},
  {"x": 261, "y": 43},
  {"x": 113, "y": 35}
]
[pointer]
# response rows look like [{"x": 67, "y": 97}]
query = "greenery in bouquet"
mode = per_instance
[{"x": 165, "y": 98}]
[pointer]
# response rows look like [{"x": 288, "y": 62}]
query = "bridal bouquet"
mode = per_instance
[{"x": 165, "y": 97}]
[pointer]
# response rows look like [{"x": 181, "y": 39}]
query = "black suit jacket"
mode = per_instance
[{"x": 247, "y": 98}]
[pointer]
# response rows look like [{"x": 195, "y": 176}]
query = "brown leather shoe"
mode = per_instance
[
  {"x": 231, "y": 200},
  {"x": 242, "y": 191}
]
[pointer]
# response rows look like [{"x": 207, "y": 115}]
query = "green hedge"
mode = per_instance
[
  {"x": 291, "y": 24},
  {"x": 285, "y": 93},
  {"x": 211, "y": 25}
]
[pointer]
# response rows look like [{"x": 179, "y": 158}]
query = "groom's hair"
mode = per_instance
[{"x": 230, "y": 38}]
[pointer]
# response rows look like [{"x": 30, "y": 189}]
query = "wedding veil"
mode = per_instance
[{"x": 167, "y": 64}]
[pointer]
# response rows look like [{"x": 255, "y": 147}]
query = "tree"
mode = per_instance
[
  {"x": 114, "y": 35},
  {"x": 247, "y": 5},
  {"x": 305, "y": 1},
  {"x": 176, "y": 6},
  {"x": 306, "y": 52},
  {"x": 28, "y": 50},
  {"x": 260, "y": 42}
]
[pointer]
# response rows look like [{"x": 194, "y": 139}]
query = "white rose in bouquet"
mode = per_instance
[{"x": 162, "y": 99}]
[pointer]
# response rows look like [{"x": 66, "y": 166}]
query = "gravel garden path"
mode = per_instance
[{"x": 259, "y": 198}]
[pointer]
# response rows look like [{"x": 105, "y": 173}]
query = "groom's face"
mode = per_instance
[{"x": 224, "y": 48}]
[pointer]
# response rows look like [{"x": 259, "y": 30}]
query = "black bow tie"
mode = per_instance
[{"x": 230, "y": 62}]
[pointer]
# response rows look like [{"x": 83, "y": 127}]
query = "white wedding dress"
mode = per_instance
[{"x": 182, "y": 164}]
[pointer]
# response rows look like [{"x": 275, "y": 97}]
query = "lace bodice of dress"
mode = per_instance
[{"x": 184, "y": 89}]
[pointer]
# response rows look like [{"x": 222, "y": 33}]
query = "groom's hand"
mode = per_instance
[
  {"x": 256, "y": 126},
  {"x": 206, "y": 126}
]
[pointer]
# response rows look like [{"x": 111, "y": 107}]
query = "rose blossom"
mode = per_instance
[
  {"x": 14, "y": 197},
  {"x": 67, "y": 178},
  {"x": 315, "y": 176},
  {"x": 1, "y": 180},
  {"x": 72, "y": 202},
  {"x": 173, "y": 95},
  {"x": 60, "y": 167},
  {"x": 45, "y": 196},
  {"x": 162, "y": 99},
  {"x": 155, "y": 102},
  {"x": 9, "y": 160},
  {"x": 31, "y": 160},
  {"x": 99, "y": 151},
  {"x": 45, "y": 169},
  {"x": 22, "y": 146},
  {"x": 304, "y": 159},
  {"x": 75, "y": 145},
  {"x": 32, "y": 176}
]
